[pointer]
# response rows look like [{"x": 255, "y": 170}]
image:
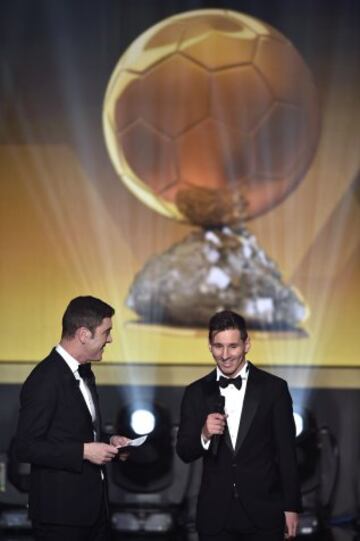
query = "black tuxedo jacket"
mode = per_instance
[
  {"x": 262, "y": 469},
  {"x": 54, "y": 423}
]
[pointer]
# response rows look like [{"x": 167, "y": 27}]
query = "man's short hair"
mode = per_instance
[
  {"x": 226, "y": 319},
  {"x": 84, "y": 312}
]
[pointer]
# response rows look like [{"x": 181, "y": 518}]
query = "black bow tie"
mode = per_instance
[
  {"x": 85, "y": 371},
  {"x": 224, "y": 382}
]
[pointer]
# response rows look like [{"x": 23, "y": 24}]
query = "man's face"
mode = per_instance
[
  {"x": 229, "y": 350},
  {"x": 97, "y": 341}
]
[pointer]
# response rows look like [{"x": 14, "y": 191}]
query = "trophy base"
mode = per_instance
[{"x": 212, "y": 270}]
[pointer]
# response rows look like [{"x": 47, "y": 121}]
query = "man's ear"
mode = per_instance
[
  {"x": 83, "y": 334},
  {"x": 247, "y": 344}
]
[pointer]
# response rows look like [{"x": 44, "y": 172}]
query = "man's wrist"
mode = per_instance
[
  {"x": 85, "y": 451},
  {"x": 205, "y": 438},
  {"x": 205, "y": 442}
]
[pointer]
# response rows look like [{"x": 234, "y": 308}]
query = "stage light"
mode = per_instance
[
  {"x": 15, "y": 519},
  {"x": 18, "y": 473},
  {"x": 307, "y": 449},
  {"x": 308, "y": 524},
  {"x": 147, "y": 492},
  {"x": 148, "y": 466},
  {"x": 14, "y": 488},
  {"x": 126, "y": 521},
  {"x": 159, "y": 522},
  {"x": 142, "y": 521},
  {"x": 317, "y": 458},
  {"x": 142, "y": 421},
  {"x": 299, "y": 423}
]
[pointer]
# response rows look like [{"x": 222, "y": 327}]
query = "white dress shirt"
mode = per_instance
[
  {"x": 74, "y": 366},
  {"x": 234, "y": 402}
]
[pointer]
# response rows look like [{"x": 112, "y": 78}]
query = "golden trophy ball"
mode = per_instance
[{"x": 211, "y": 117}]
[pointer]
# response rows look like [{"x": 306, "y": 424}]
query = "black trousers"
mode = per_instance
[
  {"x": 99, "y": 531},
  {"x": 239, "y": 527}
]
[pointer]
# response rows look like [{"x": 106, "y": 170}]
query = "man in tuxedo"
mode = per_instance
[
  {"x": 239, "y": 420},
  {"x": 59, "y": 430}
]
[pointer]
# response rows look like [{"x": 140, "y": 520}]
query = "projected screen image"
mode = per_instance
[{"x": 208, "y": 160}]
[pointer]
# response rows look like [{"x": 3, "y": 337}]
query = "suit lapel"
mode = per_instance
[
  {"x": 211, "y": 391},
  {"x": 251, "y": 403}
]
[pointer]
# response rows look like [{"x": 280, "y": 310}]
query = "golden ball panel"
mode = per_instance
[
  {"x": 214, "y": 155},
  {"x": 150, "y": 155},
  {"x": 218, "y": 51},
  {"x": 239, "y": 97},
  {"x": 139, "y": 57},
  {"x": 127, "y": 105},
  {"x": 117, "y": 89},
  {"x": 259, "y": 199},
  {"x": 166, "y": 102},
  {"x": 202, "y": 23},
  {"x": 256, "y": 25},
  {"x": 284, "y": 126},
  {"x": 170, "y": 35},
  {"x": 284, "y": 70}
]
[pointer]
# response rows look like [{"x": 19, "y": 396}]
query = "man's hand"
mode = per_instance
[
  {"x": 99, "y": 453},
  {"x": 291, "y": 521},
  {"x": 120, "y": 441},
  {"x": 214, "y": 424}
]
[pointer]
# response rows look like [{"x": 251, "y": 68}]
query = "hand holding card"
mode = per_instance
[{"x": 132, "y": 443}]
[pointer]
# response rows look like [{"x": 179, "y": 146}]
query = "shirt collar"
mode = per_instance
[
  {"x": 243, "y": 372},
  {"x": 72, "y": 363}
]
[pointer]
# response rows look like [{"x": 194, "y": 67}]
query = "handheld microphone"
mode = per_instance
[{"x": 219, "y": 408}]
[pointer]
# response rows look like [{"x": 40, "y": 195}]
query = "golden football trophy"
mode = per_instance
[{"x": 211, "y": 118}]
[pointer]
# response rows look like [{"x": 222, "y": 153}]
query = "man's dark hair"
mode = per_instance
[
  {"x": 84, "y": 312},
  {"x": 226, "y": 319}
]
